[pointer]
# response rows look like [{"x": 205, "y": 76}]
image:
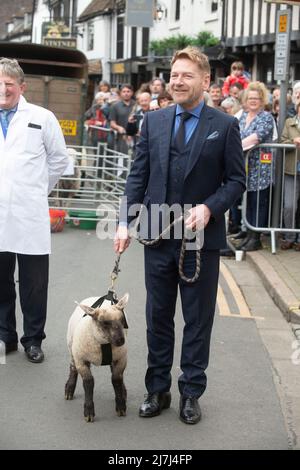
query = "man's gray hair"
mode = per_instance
[
  {"x": 228, "y": 102},
  {"x": 295, "y": 95},
  {"x": 11, "y": 68},
  {"x": 296, "y": 85}
]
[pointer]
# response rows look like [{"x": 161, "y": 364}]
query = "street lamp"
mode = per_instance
[
  {"x": 160, "y": 12},
  {"x": 79, "y": 30}
]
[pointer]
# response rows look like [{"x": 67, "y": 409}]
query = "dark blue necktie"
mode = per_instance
[{"x": 180, "y": 136}]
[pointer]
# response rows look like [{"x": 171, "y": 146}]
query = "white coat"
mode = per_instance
[{"x": 32, "y": 158}]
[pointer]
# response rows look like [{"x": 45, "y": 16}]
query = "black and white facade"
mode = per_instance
[{"x": 248, "y": 34}]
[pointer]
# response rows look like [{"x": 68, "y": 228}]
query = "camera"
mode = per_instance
[{"x": 137, "y": 117}]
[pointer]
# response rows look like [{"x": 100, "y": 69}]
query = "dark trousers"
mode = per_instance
[
  {"x": 33, "y": 289},
  {"x": 235, "y": 214},
  {"x": 198, "y": 307},
  {"x": 258, "y": 207}
]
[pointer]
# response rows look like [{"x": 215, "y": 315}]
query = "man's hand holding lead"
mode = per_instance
[
  {"x": 198, "y": 217},
  {"x": 122, "y": 239}
]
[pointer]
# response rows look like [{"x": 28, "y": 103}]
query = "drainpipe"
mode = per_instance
[
  {"x": 74, "y": 16},
  {"x": 224, "y": 21},
  {"x": 32, "y": 17}
]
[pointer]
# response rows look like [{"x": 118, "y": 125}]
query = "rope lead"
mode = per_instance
[{"x": 115, "y": 272}]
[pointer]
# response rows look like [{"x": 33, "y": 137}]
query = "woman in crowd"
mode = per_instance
[
  {"x": 96, "y": 116},
  {"x": 256, "y": 126},
  {"x": 104, "y": 86}
]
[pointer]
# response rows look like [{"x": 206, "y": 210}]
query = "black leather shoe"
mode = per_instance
[
  {"x": 242, "y": 242},
  {"x": 34, "y": 354},
  {"x": 11, "y": 347},
  {"x": 252, "y": 245},
  {"x": 239, "y": 236},
  {"x": 154, "y": 403},
  {"x": 233, "y": 229},
  {"x": 226, "y": 252},
  {"x": 189, "y": 411}
]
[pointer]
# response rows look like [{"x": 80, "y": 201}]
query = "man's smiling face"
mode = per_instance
[
  {"x": 10, "y": 91},
  {"x": 188, "y": 83}
]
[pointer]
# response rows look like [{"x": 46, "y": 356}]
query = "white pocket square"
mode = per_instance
[{"x": 212, "y": 136}]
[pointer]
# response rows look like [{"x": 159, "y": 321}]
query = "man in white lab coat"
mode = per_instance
[{"x": 33, "y": 156}]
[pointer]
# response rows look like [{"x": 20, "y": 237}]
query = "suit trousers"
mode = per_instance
[
  {"x": 198, "y": 307},
  {"x": 33, "y": 290}
]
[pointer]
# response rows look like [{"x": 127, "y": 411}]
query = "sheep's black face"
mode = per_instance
[{"x": 114, "y": 331}]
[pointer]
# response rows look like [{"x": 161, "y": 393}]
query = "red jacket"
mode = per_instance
[
  {"x": 99, "y": 134},
  {"x": 230, "y": 80}
]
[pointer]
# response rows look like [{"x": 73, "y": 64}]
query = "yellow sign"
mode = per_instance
[
  {"x": 60, "y": 42},
  {"x": 55, "y": 29},
  {"x": 68, "y": 127},
  {"x": 283, "y": 23},
  {"x": 118, "y": 68}
]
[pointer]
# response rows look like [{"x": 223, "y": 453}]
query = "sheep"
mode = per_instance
[{"x": 88, "y": 329}]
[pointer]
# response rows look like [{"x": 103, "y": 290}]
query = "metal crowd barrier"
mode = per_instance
[
  {"x": 273, "y": 154},
  {"x": 98, "y": 180},
  {"x": 112, "y": 140}
]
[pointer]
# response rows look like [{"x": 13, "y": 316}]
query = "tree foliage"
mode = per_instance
[{"x": 166, "y": 46}]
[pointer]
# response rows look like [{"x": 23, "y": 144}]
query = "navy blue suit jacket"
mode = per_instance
[{"x": 215, "y": 171}]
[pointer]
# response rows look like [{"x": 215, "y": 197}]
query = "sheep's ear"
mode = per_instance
[
  {"x": 88, "y": 310},
  {"x": 123, "y": 302}
]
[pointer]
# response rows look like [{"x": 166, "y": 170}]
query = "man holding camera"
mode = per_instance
[{"x": 135, "y": 120}]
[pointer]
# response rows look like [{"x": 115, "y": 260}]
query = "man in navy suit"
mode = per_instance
[{"x": 207, "y": 175}]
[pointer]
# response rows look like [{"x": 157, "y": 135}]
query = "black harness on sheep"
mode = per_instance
[{"x": 112, "y": 298}]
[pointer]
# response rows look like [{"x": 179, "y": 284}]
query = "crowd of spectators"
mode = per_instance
[{"x": 116, "y": 117}]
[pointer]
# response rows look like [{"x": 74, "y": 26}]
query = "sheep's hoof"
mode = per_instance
[
  {"x": 69, "y": 396},
  {"x": 89, "y": 412},
  {"x": 89, "y": 419},
  {"x": 121, "y": 412}
]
